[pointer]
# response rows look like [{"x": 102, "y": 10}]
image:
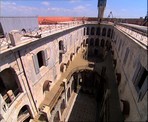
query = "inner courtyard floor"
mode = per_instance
[{"x": 84, "y": 109}]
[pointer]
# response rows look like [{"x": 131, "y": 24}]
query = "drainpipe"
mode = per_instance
[{"x": 27, "y": 80}]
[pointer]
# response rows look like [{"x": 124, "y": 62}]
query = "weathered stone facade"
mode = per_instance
[{"x": 40, "y": 64}]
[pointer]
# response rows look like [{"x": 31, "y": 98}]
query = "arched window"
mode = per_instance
[
  {"x": 91, "y": 42},
  {"x": 92, "y": 31},
  {"x": 109, "y": 33},
  {"x": 104, "y": 32},
  {"x": 97, "y": 42},
  {"x": 9, "y": 85},
  {"x": 108, "y": 45},
  {"x": 23, "y": 31},
  {"x": 87, "y": 31},
  {"x": 102, "y": 43},
  {"x": 87, "y": 41},
  {"x": 61, "y": 45},
  {"x": 98, "y": 31},
  {"x": 24, "y": 114},
  {"x": 40, "y": 59}
]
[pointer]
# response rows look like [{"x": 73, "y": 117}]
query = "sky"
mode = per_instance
[{"x": 87, "y": 8}]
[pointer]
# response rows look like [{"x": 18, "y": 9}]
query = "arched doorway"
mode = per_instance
[
  {"x": 9, "y": 85},
  {"x": 24, "y": 114}
]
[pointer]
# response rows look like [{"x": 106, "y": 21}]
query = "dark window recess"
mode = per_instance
[
  {"x": 91, "y": 42},
  {"x": 95, "y": 52},
  {"x": 61, "y": 45},
  {"x": 97, "y": 42},
  {"x": 104, "y": 32},
  {"x": 112, "y": 34},
  {"x": 40, "y": 58},
  {"x": 118, "y": 76},
  {"x": 84, "y": 31},
  {"x": 87, "y": 41},
  {"x": 92, "y": 31},
  {"x": 102, "y": 43},
  {"x": 109, "y": 33},
  {"x": 87, "y": 31},
  {"x": 98, "y": 31},
  {"x": 142, "y": 79},
  {"x": 126, "y": 108}
]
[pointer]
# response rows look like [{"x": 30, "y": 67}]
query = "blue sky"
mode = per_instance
[{"x": 119, "y": 8}]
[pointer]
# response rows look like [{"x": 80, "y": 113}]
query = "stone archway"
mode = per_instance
[
  {"x": 24, "y": 114},
  {"x": 10, "y": 85}
]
